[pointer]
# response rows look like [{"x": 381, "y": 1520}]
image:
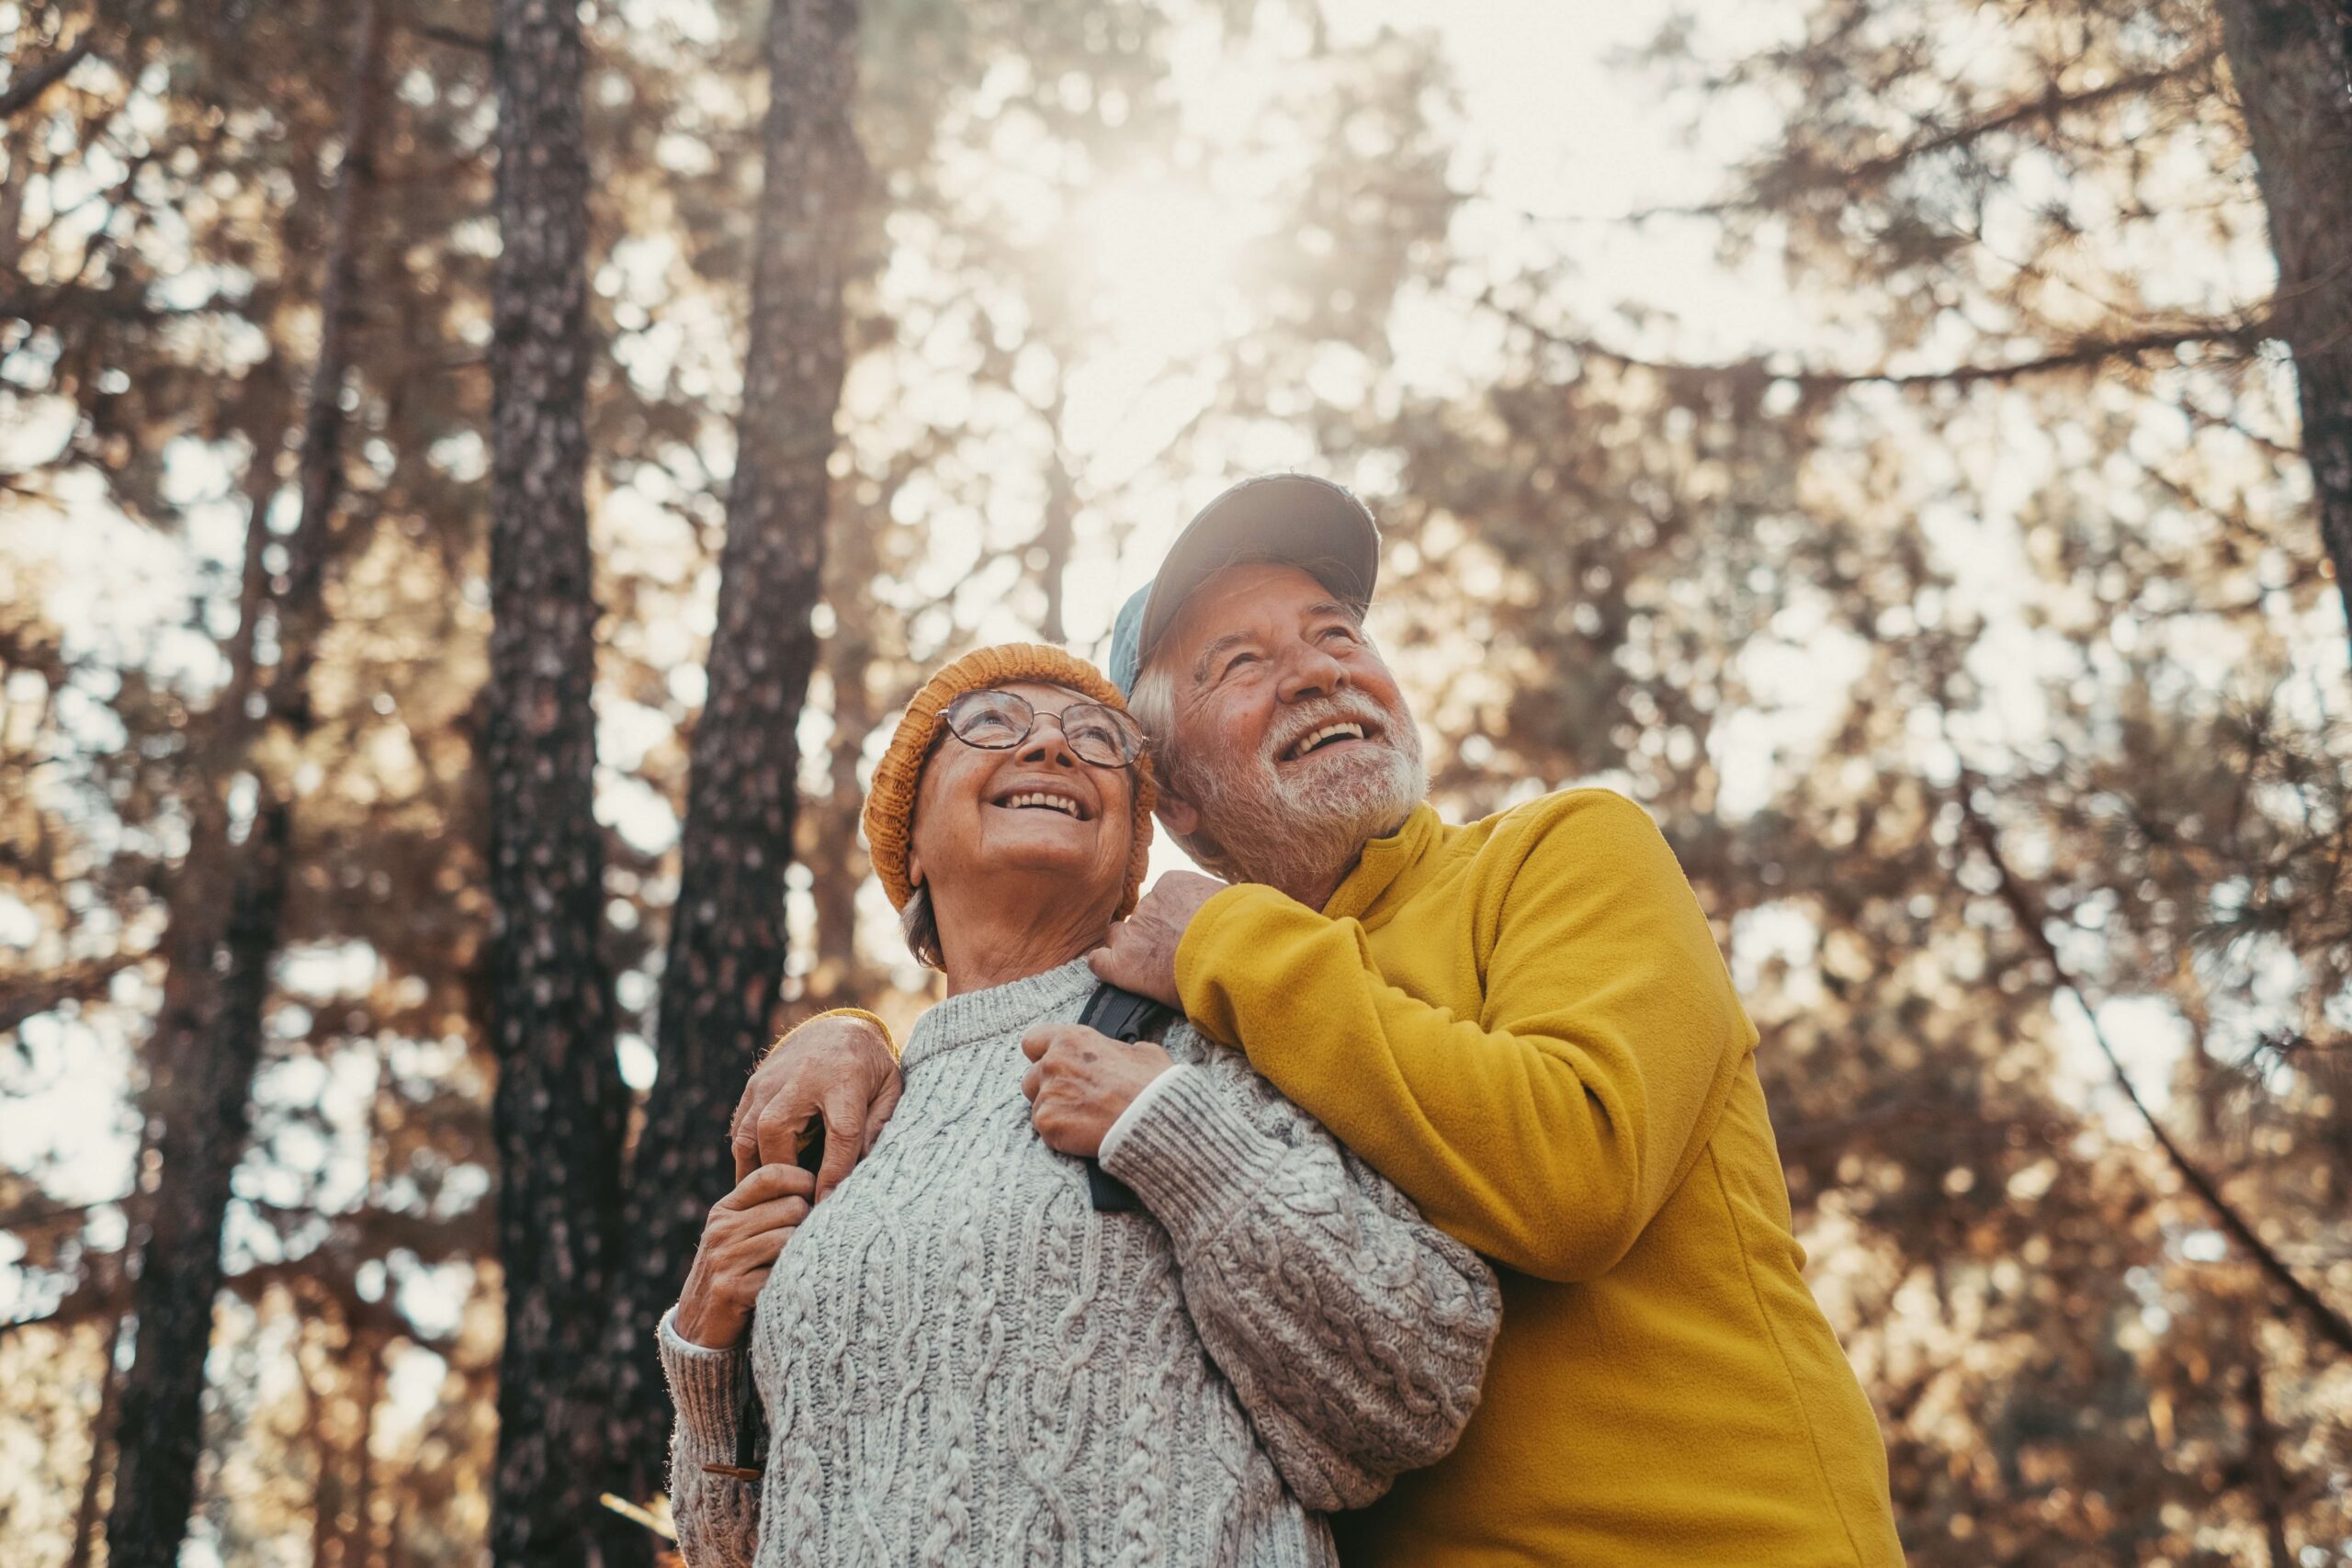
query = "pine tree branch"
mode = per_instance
[
  {"x": 454, "y": 38},
  {"x": 2041, "y": 109},
  {"x": 2082, "y": 353},
  {"x": 1768, "y": 193},
  {"x": 43, "y": 993},
  {"x": 21, "y": 92},
  {"x": 2332, "y": 1325}
]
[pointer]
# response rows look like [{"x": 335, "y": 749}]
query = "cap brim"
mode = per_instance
[{"x": 1295, "y": 519}]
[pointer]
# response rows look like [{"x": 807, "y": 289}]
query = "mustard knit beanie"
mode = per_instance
[{"x": 890, "y": 803}]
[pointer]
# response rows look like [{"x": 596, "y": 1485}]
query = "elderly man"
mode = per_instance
[{"x": 1522, "y": 1022}]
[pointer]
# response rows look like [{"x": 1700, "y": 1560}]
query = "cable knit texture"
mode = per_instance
[{"x": 963, "y": 1362}]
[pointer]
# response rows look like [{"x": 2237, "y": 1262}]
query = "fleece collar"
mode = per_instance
[{"x": 1384, "y": 861}]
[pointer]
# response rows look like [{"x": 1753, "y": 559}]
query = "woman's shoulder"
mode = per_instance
[{"x": 1190, "y": 1048}]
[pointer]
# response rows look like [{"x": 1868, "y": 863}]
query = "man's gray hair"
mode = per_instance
[{"x": 1152, "y": 705}]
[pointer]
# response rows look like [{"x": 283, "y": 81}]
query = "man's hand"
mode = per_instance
[
  {"x": 741, "y": 1242},
  {"x": 837, "y": 1068},
  {"x": 1141, "y": 954},
  {"x": 1082, "y": 1081}
]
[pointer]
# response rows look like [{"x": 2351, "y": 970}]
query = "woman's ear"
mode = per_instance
[{"x": 914, "y": 867}]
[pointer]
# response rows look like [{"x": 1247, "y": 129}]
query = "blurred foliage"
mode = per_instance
[{"x": 1974, "y": 649}]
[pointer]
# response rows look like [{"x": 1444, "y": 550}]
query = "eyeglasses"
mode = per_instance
[{"x": 998, "y": 721}]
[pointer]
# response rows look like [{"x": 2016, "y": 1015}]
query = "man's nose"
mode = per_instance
[{"x": 1311, "y": 672}]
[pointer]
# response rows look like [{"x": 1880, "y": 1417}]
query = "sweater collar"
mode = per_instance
[
  {"x": 995, "y": 1012},
  {"x": 1384, "y": 860}
]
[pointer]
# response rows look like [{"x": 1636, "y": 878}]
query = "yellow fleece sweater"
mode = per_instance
[{"x": 1525, "y": 1024}]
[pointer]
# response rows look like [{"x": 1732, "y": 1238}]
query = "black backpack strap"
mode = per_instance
[
  {"x": 1121, "y": 1015},
  {"x": 750, "y": 1413}
]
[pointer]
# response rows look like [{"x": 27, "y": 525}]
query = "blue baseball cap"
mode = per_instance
[{"x": 1312, "y": 524}]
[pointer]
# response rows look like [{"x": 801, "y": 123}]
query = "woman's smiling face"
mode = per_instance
[{"x": 1036, "y": 808}]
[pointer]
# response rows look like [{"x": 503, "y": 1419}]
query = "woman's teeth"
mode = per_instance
[{"x": 1059, "y": 802}]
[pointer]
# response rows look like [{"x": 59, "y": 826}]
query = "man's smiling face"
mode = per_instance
[{"x": 1288, "y": 742}]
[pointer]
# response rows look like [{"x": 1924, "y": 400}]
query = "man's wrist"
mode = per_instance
[{"x": 889, "y": 1040}]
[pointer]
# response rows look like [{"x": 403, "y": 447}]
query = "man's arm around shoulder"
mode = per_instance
[{"x": 1543, "y": 1117}]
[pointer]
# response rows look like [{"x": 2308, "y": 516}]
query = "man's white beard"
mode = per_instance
[{"x": 1302, "y": 830}]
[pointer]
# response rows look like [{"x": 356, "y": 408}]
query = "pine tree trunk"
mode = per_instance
[
  {"x": 85, "y": 1514},
  {"x": 830, "y": 841},
  {"x": 560, "y": 1103},
  {"x": 2293, "y": 59},
  {"x": 1059, "y": 535},
  {"x": 727, "y": 937},
  {"x": 211, "y": 1040},
  {"x": 225, "y": 911}
]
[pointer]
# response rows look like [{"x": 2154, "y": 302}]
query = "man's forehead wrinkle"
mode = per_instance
[{"x": 1227, "y": 640}]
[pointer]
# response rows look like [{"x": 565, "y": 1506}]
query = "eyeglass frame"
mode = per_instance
[{"x": 1122, "y": 723}]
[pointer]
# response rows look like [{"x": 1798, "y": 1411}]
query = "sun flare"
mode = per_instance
[{"x": 1161, "y": 260}]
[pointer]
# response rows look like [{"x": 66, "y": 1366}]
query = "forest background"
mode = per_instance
[{"x": 478, "y": 479}]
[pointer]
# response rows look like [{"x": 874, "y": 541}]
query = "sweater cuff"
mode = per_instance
[
  {"x": 887, "y": 1038},
  {"x": 1118, "y": 1134},
  {"x": 1192, "y": 1156},
  {"x": 701, "y": 1386}
]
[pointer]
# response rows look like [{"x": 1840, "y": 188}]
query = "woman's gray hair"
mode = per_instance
[{"x": 920, "y": 923}]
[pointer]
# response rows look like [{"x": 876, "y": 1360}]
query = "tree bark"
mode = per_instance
[
  {"x": 226, "y": 905},
  {"x": 1058, "y": 537},
  {"x": 2293, "y": 59},
  {"x": 560, "y": 1104},
  {"x": 2262, "y": 1451},
  {"x": 85, "y": 1514},
  {"x": 726, "y": 950},
  {"x": 210, "y": 1040}
]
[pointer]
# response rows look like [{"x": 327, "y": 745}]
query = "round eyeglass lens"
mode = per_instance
[
  {"x": 990, "y": 721},
  {"x": 1099, "y": 736}
]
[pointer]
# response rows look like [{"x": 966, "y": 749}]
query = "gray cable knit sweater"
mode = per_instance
[{"x": 963, "y": 1362}]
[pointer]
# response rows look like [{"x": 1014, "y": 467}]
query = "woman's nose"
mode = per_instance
[{"x": 1047, "y": 744}]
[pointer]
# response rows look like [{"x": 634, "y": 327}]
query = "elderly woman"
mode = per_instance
[{"x": 960, "y": 1358}]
